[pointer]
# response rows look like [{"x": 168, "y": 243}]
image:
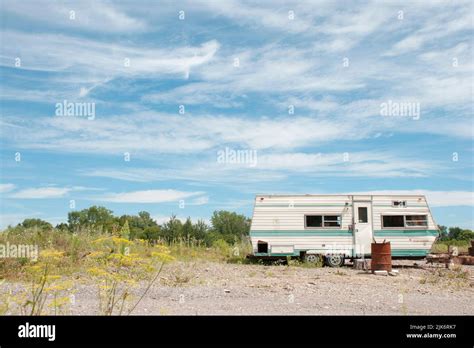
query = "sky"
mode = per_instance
[{"x": 187, "y": 107}]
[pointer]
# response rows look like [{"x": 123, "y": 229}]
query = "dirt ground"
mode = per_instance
[{"x": 204, "y": 288}]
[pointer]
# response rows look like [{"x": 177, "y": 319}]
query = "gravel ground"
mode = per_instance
[{"x": 204, "y": 288}]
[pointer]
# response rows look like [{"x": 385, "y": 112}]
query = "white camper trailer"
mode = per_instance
[{"x": 337, "y": 227}]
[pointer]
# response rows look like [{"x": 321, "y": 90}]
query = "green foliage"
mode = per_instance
[
  {"x": 230, "y": 226},
  {"x": 172, "y": 229},
  {"x": 95, "y": 218},
  {"x": 227, "y": 226},
  {"x": 38, "y": 223},
  {"x": 455, "y": 234},
  {"x": 222, "y": 246}
]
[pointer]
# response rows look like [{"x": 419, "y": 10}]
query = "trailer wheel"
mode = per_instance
[
  {"x": 312, "y": 258},
  {"x": 335, "y": 260}
]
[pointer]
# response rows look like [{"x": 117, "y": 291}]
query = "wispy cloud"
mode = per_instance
[
  {"x": 147, "y": 196},
  {"x": 83, "y": 15},
  {"x": 47, "y": 192},
  {"x": 41, "y": 193},
  {"x": 6, "y": 187},
  {"x": 237, "y": 67}
]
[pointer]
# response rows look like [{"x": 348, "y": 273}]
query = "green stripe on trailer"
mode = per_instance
[
  {"x": 301, "y": 233},
  {"x": 405, "y": 233},
  {"x": 410, "y": 252},
  {"x": 395, "y": 252}
]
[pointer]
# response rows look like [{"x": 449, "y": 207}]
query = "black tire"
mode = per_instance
[
  {"x": 334, "y": 260},
  {"x": 312, "y": 258}
]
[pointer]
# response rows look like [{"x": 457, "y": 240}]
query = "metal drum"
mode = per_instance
[{"x": 381, "y": 257}]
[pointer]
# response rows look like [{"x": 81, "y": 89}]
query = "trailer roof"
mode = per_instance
[{"x": 337, "y": 195}]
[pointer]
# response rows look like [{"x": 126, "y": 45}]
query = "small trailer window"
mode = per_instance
[
  {"x": 416, "y": 220},
  {"x": 332, "y": 220},
  {"x": 393, "y": 221},
  {"x": 399, "y": 203},
  {"x": 362, "y": 213},
  {"x": 323, "y": 220}
]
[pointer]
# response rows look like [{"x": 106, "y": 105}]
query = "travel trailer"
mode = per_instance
[{"x": 339, "y": 227}]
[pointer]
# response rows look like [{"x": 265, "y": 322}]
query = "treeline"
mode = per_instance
[
  {"x": 228, "y": 226},
  {"x": 455, "y": 233}
]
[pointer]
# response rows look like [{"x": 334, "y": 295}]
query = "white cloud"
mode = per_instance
[
  {"x": 48, "y": 192},
  {"x": 147, "y": 196},
  {"x": 101, "y": 60},
  {"x": 86, "y": 15},
  {"x": 435, "y": 25},
  {"x": 277, "y": 166},
  {"x": 41, "y": 193},
  {"x": 160, "y": 133},
  {"x": 200, "y": 201},
  {"x": 6, "y": 187}
]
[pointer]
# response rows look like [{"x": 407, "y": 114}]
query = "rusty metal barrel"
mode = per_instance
[{"x": 381, "y": 257}]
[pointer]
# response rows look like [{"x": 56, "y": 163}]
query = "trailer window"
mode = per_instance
[
  {"x": 393, "y": 221},
  {"x": 399, "y": 203},
  {"x": 416, "y": 220},
  {"x": 314, "y": 221},
  {"x": 332, "y": 220},
  {"x": 323, "y": 220},
  {"x": 362, "y": 213}
]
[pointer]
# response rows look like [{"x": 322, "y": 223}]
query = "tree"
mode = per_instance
[
  {"x": 172, "y": 229},
  {"x": 151, "y": 233},
  {"x": 200, "y": 230},
  {"x": 465, "y": 235},
  {"x": 454, "y": 232},
  {"x": 38, "y": 223},
  {"x": 98, "y": 218},
  {"x": 230, "y": 226},
  {"x": 188, "y": 230},
  {"x": 139, "y": 224}
]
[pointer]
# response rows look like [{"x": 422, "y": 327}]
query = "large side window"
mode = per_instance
[
  {"x": 323, "y": 220},
  {"x": 405, "y": 221},
  {"x": 393, "y": 221},
  {"x": 416, "y": 220},
  {"x": 314, "y": 221}
]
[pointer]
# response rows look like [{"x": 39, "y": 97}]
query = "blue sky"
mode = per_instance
[{"x": 299, "y": 85}]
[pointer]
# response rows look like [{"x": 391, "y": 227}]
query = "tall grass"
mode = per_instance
[
  {"x": 443, "y": 246},
  {"x": 77, "y": 247}
]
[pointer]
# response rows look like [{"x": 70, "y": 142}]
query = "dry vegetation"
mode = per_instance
[
  {"x": 115, "y": 265},
  {"x": 86, "y": 273}
]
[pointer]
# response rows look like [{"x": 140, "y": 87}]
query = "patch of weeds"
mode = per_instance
[
  {"x": 340, "y": 273},
  {"x": 456, "y": 277}
]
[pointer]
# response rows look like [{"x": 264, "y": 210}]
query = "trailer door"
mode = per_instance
[{"x": 362, "y": 227}]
